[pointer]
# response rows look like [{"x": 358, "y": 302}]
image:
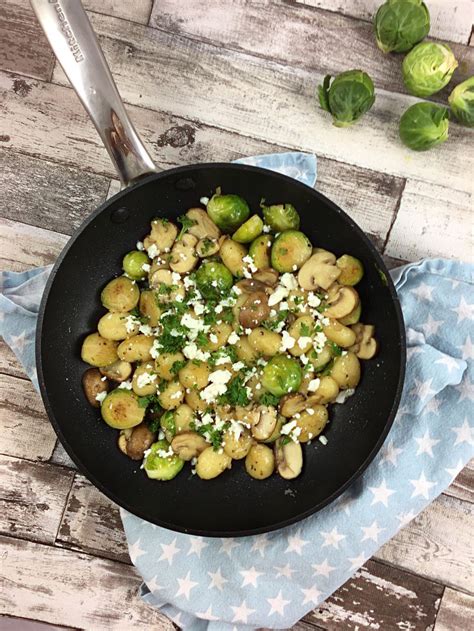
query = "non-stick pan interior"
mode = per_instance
[{"x": 234, "y": 503}]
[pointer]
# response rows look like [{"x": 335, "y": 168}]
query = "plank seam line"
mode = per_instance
[
  {"x": 394, "y": 217},
  {"x": 55, "y": 624},
  {"x": 73, "y": 478}
]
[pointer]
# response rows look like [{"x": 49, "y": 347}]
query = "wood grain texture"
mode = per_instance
[
  {"x": 25, "y": 429},
  {"x": 32, "y": 498},
  {"x": 437, "y": 544},
  {"x": 265, "y": 100},
  {"x": 23, "y": 246},
  {"x": 450, "y": 19},
  {"x": 23, "y": 46},
  {"x": 60, "y": 457},
  {"x": 455, "y": 612},
  {"x": 71, "y": 589},
  {"x": 9, "y": 364},
  {"x": 463, "y": 485},
  {"x": 380, "y": 597},
  {"x": 45, "y": 194},
  {"x": 10, "y": 623},
  {"x": 432, "y": 221},
  {"x": 136, "y": 11},
  {"x": 295, "y": 35}
]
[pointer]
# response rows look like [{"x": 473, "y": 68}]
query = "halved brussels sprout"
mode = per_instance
[
  {"x": 133, "y": 264},
  {"x": 249, "y": 230},
  {"x": 120, "y": 294},
  {"x": 214, "y": 280},
  {"x": 461, "y": 101},
  {"x": 424, "y": 125},
  {"x": 159, "y": 466},
  {"x": 400, "y": 24},
  {"x": 428, "y": 68},
  {"x": 350, "y": 95},
  {"x": 290, "y": 250},
  {"x": 260, "y": 249},
  {"x": 281, "y": 217},
  {"x": 168, "y": 425},
  {"x": 120, "y": 409},
  {"x": 228, "y": 212},
  {"x": 351, "y": 268},
  {"x": 282, "y": 375}
]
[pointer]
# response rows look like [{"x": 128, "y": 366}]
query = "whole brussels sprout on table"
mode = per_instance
[
  {"x": 424, "y": 125},
  {"x": 348, "y": 97},
  {"x": 400, "y": 24},
  {"x": 461, "y": 101},
  {"x": 428, "y": 68}
]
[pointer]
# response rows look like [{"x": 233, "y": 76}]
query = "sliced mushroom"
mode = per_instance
[
  {"x": 122, "y": 440},
  {"x": 323, "y": 256},
  {"x": 291, "y": 404},
  {"x": 207, "y": 247},
  {"x": 183, "y": 256},
  {"x": 289, "y": 459},
  {"x": 249, "y": 285},
  {"x": 255, "y": 310},
  {"x": 165, "y": 277},
  {"x": 93, "y": 385},
  {"x": 266, "y": 423},
  {"x": 342, "y": 303},
  {"x": 316, "y": 274},
  {"x": 203, "y": 226},
  {"x": 159, "y": 262},
  {"x": 163, "y": 234},
  {"x": 138, "y": 441},
  {"x": 118, "y": 371},
  {"x": 366, "y": 345},
  {"x": 247, "y": 416},
  {"x": 188, "y": 445},
  {"x": 267, "y": 276}
]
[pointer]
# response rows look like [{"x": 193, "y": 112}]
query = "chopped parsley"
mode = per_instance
[
  {"x": 186, "y": 223},
  {"x": 336, "y": 350},
  {"x": 268, "y": 398},
  {"x": 284, "y": 440},
  {"x": 207, "y": 245},
  {"x": 201, "y": 340},
  {"x": 228, "y": 352},
  {"x": 177, "y": 365},
  {"x": 151, "y": 399},
  {"x": 274, "y": 323},
  {"x": 305, "y": 330},
  {"x": 236, "y": 393},
  {"x": 212, "y": 435}
]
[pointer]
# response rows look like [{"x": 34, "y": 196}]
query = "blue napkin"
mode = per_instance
[{"x": 273, "y": 580}]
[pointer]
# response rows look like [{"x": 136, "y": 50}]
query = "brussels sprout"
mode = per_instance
[
  {"x": 168, "y": 425},
  {"x": 213, "y": 280},
  {"x": 351, "y": 268},
  {"x": 249, "y": 230},
  {"x": 424, "y": 125},
  {"x": 282, "y": 375},
  {"x": 350, "y": 95},
  {"x": 159, "y": 466},
  {"x": 461, "y": 100},
  {"x": 228, "y": 212},
  {"x": 290, "y": 250},
  {"x": 281, "y": 217},
  {"x": 400, "y": 24},
  {"x": 133, "y": 264},
  {"x": 260, "y": 251},
  {"x": 428, "y": 68}
]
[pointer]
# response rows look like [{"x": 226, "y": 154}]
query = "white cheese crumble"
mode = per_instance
[
  {"x": 323, "y": 440},
  {"x": 313, "y": 385},
  {"x": 191, "y": 351},
  {"x": 140, "y": 247},
  {"x": 198, "y": 308},
  {"x": 145, "y": 379},
  {"x": 145, "y": 329},
  {"x": 146, "y": 267},
  {"x": 266, "y": 228},
  {"x": 100, "y": 396},
  {"x": 125, "y": 385},
  {"x": 233, "y": 338},
  {"x": 304, "y": 341},
  {"x": 204, "y": 201},
  {"x": 344, "y": 395},
  {"x": 287, "y": 341},
  {"x": 213, "y": 337},
  {"x": 238, "y": 366},
  {"x": 313, "y": 300},
  {"x": 289, "y": 281},
  {"x": 219, "y": 308},
  {"x": 152, "y": 251},
  {"x": 130, "y": 323},
  {"x": 278, "y": 295},
  {"x": 218, "y": 380}
]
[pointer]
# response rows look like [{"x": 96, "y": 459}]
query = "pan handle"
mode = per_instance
[{"x": 75, "y": 45}]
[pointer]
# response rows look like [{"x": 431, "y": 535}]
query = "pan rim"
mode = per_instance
[{"x": 242, "y": 168}]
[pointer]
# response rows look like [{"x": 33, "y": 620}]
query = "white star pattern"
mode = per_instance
[
  {"x": 250, "y": 576},
  {"x": 217, "y": 580},
  {"x": 424, "y": 292},
  {"x": 228, "y": 545},
  {"x": 284, "y": 570},
  {"x": 332, "y": 538},
  {"x": 464, "y": 311},
  {"x": 242, "y": 613},
  {"x": 197, "y": 546},
  {"x": 135, "y": 551},
  {"x": 456, "y": 469},
  {"x": 466, "y": 389},
  {"x": 311, "y": 595},
  {"x": 323, "y": 569},
  {"x": 463, "y": 433},
  {"x": 169, "y": 551},
  {"x": 422, "y": 389},
  {"x": 356, "y": 562},
  {"x": 19, "y": 342},
  {"x": 413, "y": 350},
  {"x": 206, "y": 615},
  {"x": 431, "y": 326},
  {"x": 422, "y": 486},
  {"x": 371, "y": 532},
  {"x": 391, "y": 453},
  {"x": 296, "y": 543},
  {"x": 450, "y": 362},
  {"x": 433, "y": 405},
  {"x": 426, "y": 444},
  {"x": 277, "y": 604},
  {"x": 467, "y": 349},
  {"x": 381, "y": 493},
  {"x": 260, "y": 543},
  {"x": 153, "y": 586},
  {"x": 185, "y": 586},
  {"x": 405, "y": 518}
]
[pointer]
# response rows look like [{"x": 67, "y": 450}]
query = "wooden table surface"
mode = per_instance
[{"x": 213, "y": 81}]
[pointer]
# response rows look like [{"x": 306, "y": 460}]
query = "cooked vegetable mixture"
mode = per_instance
[{"x": 225, "y": 339}]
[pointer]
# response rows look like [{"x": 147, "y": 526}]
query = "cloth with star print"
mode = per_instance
[{"x": 273, "y": 580}]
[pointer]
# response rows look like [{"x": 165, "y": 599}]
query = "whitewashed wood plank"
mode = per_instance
[
  {"x": 32, "y": 498},
  {"x": 12, "y": 623},
  {"x": 66, "y": 588},
  {"x": 46, "y": 194},
  {"x": 456, "y": 612},
  {"x": 266, "y": 100},
  {"x": 25, "y": 429},
  {"x": 428, "y": 547},
  {"x": 23, "y": 246},
  {"x": 9, "y": 364},
  {"x": 320, "y": 41},
  {"x": 450, "y": 19},
  {"x": 432, "y": 220},
  {"x": 463, "y": 485},
  {"x": 136, "y": 11}
]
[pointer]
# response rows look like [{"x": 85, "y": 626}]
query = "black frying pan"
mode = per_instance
[{"x": 233, "y": 504}]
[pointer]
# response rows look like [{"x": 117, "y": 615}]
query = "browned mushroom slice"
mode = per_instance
[
  {"x": 183, "y": 257},
  {"x": 266, "y": 423},
  {"x": 291, "y": 404},
  {"x": 342, "y": 303},
  {"x": 250, "y": 285},
  {"x": 255, "y": 310},
  {"x": 188, "y": 445},
  {"x": 366, "y": 345},
  {"x": 163, "y": 234},
  {"x": 94, "y": 384},
  {"x": 315, "y": 274},
  {"x": 134, "y": 442},
  {"x": 203, "y": 226},
  {"x": 207, "y": 247},
  {"x": 289, "y": 459},
  {"x": 268, "y": 276},
  {"x": 118, "y": 371}
]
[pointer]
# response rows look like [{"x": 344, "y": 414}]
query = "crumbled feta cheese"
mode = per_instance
[
  {"x": 125, "y": 385},
  {"x": 277, "y": 296},
  {"x": 287, "y": 342},
  {"x": 219, "y": 309},
  {"x": 294, "y": 268},
  {"x": 310, "y": 411},
  {"x": 303, "y": 359},
  {"x": 145, "y": 329},
  {"x": 233, "y": 338},
  {"x": 220, "y": 376},
  {"x": 289, "y": 281},
  {"x": 323, "y": 440},
  {"x": 238, "y": 366},
  {"x": 273, "y": 313},
  {"x": 247, "y": 331},
  {"x": 313, "y": 300},
  {"x": 130, "y": 323},
  {"x": 304, "y": 341},
  {"x": 104, "y": 378},
  {"x": 214, "y": 283},
  {"x": 313, "y": 385},
  {"x": 177, "y": 395},
  {"x": 193, "y": 324},
  {"x": 175, "y": 278},
  {"x": 320, "y": 340},
  {"x": 198, "y": 308},
  {"x": 288, "y": 427},
  {"x": 212, "y": 391},
  {"x": 225, "y": 359},
  {"x": 152, "y": 251},
  {"x": 283, "y": 305},
  {"x": 146, "y": 267},
  {"x": 140, "y": 247},
  {"x": 188, "y": 282},
  {"x": 258, "y": 386},
  {"x": 344, "y": 395},
  {"x": 237, "y": 291},
  {"x": 266, "y": 228},
  {"x": 191, "y": 351},
  {"x": 161, "y": 434},
  {"x": 155, "y": 349},
  {"x": 162, "y": 453},
  {"x": 100, "y": 396},
  {"x": 236, "y": 429},
  {"x": 204, "y": 201},
  {"x": 179, "y": 298},
  {"x": 145, "y": 379},
  {"x": 213, "y": 337}
]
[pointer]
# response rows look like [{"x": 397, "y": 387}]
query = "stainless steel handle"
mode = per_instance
[{"x": 75, "y": 45}]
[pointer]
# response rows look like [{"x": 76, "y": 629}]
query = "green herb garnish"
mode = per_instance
[{"x": 186, "y": 223}]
